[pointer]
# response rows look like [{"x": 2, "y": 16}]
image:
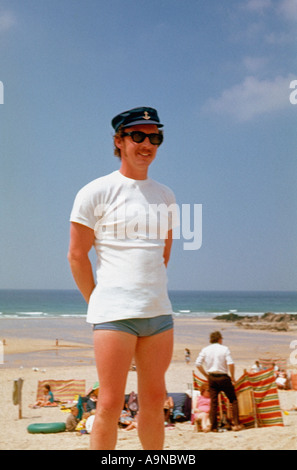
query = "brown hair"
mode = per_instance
[
  {"x": 204, "y": 388},
  {"x": 116, "y": 149},
  {"x": 215, "y": 337}
]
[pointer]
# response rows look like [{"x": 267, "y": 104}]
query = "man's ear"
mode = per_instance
[{"x": 118, "y": 141}]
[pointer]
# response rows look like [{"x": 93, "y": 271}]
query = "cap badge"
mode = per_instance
[{"x": 146, "y": 115}]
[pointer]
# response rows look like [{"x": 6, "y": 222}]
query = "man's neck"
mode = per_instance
[{"x": 134, "y": 174}]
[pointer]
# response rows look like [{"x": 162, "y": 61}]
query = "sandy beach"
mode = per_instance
[{"x": 31, "y": 351}]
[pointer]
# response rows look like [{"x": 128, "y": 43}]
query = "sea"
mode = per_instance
[
  {"x": 17, "y": 304},
  {"x": 60, "y": 314}
]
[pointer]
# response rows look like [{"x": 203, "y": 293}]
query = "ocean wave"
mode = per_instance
[
  {"x": 74, "y": 315},
  {"x": 32, "y": 313},
  {"x": 39, "y": 315}
]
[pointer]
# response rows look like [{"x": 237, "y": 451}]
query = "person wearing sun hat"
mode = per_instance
[{"x": 129, "y": 305}]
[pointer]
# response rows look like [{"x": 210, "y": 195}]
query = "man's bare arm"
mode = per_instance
[
  {"x": 167, "y": 248},
  {"x": 81, "y": 242},
  {"x": 202, "y": 370}
]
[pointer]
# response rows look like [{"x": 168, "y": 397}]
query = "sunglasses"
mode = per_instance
[{"x": 138, "y": 137}]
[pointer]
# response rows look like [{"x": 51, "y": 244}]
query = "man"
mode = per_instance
[
  {"x": 128, "y": 305},
  {"x": 214, "y": 362},
  {"x": 256, "y": 367}
]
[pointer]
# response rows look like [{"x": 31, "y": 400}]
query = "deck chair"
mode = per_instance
[{"x": 246, "y": 406}]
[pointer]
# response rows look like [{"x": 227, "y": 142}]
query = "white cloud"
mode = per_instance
[
  {"x": 7, "y": 20},
  {"x": 252, "y": 97},
  {"x": 257, "y": 5},
  {"x": 289, "y": 9},
  {"x": 286, "y": 8}
]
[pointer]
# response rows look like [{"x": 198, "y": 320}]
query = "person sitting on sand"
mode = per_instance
[
  {"x": 256, "y": 367},
  {"x": 125, "y": 418},
  {"x": 82, "y": 423},
  {"x": 168, "y": 408},
  {"x": 133, "y": 404},
  {"x": 202, "y": 409},
  {"x": 90, "y": 421},
  {"x": 48, "y": 398},
  {"x": 282, "y": 381},
  {"x": 133, "y": 424},
  {"x": 72, "y": 419},
  {"x": 91, "y": 402}
]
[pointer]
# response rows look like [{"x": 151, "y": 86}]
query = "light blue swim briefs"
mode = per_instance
[{"x": 139, "y": 326}]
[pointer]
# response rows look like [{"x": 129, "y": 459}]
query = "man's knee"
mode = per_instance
[
  {"x": 110, "y": 406},
  {"x": 153, "y": 401}
]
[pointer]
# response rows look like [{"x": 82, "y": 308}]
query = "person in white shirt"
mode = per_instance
[
  {"x": 256, "y": 367},
  {"x": 118, "y": 214},
  {"x": 215, "y": 363}
]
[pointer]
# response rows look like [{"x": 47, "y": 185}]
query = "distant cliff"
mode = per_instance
[{"x": 268, "y": 321}]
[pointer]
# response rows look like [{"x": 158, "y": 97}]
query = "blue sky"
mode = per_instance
[{"x": 219, "y": 73}]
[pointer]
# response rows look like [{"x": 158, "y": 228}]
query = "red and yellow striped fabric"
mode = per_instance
[
  {"x": 63, "y": 390},
  {"x": 243, "y": 385},
  {"x": 265, "y": 396},
  {"x": 223, "y": 400},
  {"x": 268, "y": 363},
  {"x": 198, "y": 382}
]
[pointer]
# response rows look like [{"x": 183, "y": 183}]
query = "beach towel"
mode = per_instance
[
  {"x": 265, "y": 395},
  {"x": 63, "y": 390},
  {"x": 268, "y": 363}
]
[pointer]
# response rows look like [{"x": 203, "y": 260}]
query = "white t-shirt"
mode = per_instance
[
  {"x": 130, "y": 219},
  {"x": 215, "y": 358}
]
